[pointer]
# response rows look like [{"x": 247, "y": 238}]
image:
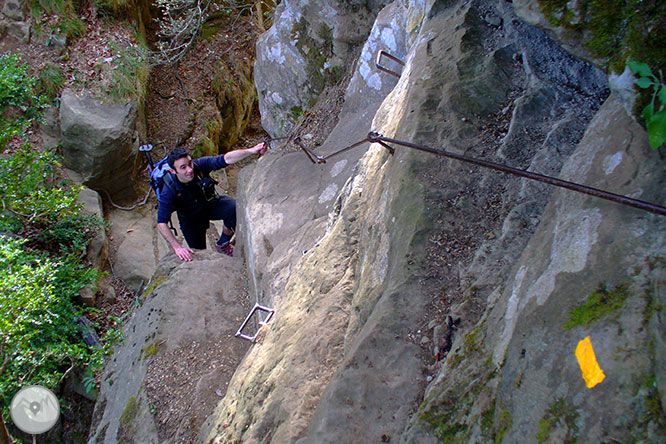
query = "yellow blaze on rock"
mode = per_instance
[{"x": 592, "y": 373}]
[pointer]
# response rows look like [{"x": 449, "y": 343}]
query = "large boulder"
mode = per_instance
[
  {"x": 362, "y": 262},
  {"x": 178, "y": 350},
  {"x": 274, "y": 237},
  {"x": 592, "y": 270},
  {"x": 98, "y": 142},
  {"x": 308, "y": 47}
]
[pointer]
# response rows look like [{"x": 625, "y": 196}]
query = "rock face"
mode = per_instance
[
  {"x": 15, "y": 21},
  {"x": 307, "y": 48},
  {"x": 97, "y": 251},
  {"x": 421, "y": 299},
  {"x": 528, "y": 10},
  {"x": 180, "y": 335},
  {"x": 235, "y": 102},
  {"x": 363, "y": 264},
  {"x": 98, "y": 143}
]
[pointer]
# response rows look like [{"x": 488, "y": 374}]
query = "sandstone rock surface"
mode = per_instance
[
  {"x": 307, "y": 48},
  {"x": 419, "y": 299},
  {"x": 98, "y": 143},
  {"x": 181, "y": 334},
  {"x": 358, "y": 284}
]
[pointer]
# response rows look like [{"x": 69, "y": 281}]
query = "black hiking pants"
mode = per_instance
[{"x": 221, "y": 208}]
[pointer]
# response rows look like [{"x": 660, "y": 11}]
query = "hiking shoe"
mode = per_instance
[
  {"x": 227, "y": 249},
  {"x": 224, "y": 240}
]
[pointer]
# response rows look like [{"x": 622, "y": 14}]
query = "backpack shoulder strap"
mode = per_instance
[
  {"x": 170, "y": 181},
  {"x": 197, "y": 172}
]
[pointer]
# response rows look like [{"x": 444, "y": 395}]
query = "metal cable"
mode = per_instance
[{"x": 374, "y": 137}]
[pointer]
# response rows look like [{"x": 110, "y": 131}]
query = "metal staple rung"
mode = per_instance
[
  {"x": 378, "y": 62},
  {"x": 257, "y": 307}
]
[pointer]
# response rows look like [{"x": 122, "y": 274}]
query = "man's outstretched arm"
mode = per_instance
[
  {"x": 236, "y": 155},
  {"x": 182, "y": 252}
]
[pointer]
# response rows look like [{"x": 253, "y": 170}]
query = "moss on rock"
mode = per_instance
[
  {"x": 235, "y": 97},
  {"x": 599, "y": 304},
  {"x": 615, "y": 31},
  {"x": 126, "y": 428}
]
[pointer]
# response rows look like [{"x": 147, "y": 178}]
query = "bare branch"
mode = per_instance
[{"x": 179, "y": 26}]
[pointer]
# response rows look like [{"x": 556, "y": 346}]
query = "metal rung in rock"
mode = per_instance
[
  {"x": 257, "y": 307},
  {"x": 380, "y": 66}
]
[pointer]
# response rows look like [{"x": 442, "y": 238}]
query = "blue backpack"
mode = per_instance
[{"x": 159, "y": 175}]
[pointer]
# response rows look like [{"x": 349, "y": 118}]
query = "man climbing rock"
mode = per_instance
[{"x": 191, "y": 193}]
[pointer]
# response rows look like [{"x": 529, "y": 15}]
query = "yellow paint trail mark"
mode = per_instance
[{"x": 592, "y": 373}]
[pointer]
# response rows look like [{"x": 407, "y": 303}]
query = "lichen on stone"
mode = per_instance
[{"x": 317, "y": 53}]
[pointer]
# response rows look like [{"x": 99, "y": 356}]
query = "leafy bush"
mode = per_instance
[
  {"x": 30, "y": 203},
  {"x": 19, "y": 105},
  {"x": 39, "y": 337},
  {"x": 655, "y": 112},
  {"x": 42, "y": 235}
]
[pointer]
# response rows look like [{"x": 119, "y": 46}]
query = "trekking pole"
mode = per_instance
[{"x": 146, "y": 149}]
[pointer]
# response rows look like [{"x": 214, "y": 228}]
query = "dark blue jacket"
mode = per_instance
[{"x": 188, "y": 199}]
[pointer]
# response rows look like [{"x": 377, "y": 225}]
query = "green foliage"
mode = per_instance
[
  {"x": 51, "y": 80},
  {"x": 655, "y": 112},
  {"x": 19, "y": 105},
  {"x": 72, "y": 27},
  {"x": 89, "y": 381},
  {"x": 599, "y": 304},
  {"x": 30, "y": 203},
  {"x": 130, "y": 78},
  {"x": 39, "y": 336},
  {"x": 67, "y": 22},
  {"x": 42, "y": 236},
  {"x": 560, "y": 414}
]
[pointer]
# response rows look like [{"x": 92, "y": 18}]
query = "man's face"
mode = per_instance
[{"x": 183, "y": 169}]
